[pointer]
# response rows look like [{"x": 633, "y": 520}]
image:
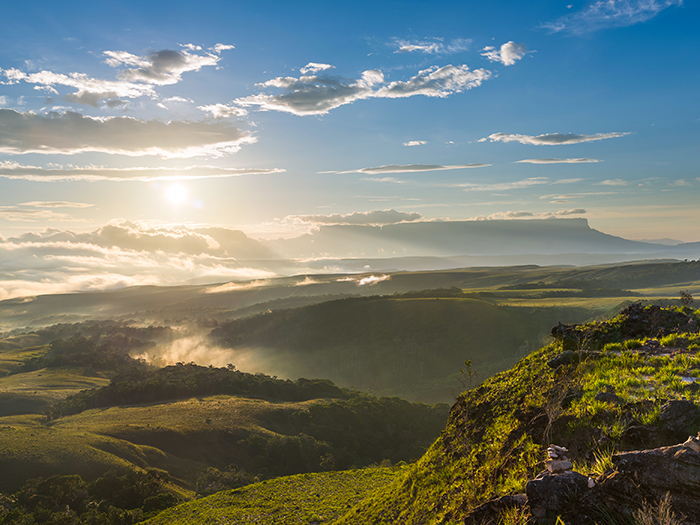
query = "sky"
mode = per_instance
[{"x": 158, "y": 118}]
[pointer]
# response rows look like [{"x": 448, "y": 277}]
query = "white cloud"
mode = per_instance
[
  {"x": 604, "y": 14},
  {"x": 14, "y": 170},
  {"x": 224, "y": 111},
  {"x": 552, "y": 139},
  {"x": 507, "y": 55},
  {"x": 90, "y": 91},
  {"x": 362, "y": 281},
  {"x": 318, "y": 94},
  {"x": 502, "y": 186},
  {"x": 218, "y": 48},
  {"x": 124, "y": 253},
  {"x": 558, "y": 161},
  {"x": 415, "y": 143},
  {"x": 510, "y": 215},
  {"x": 374, "y": 217},
  {"x": 15, "y": 214},
  {"x": 384, "y": 179},
  {"x": 410, "y": 168},
  {"x": 163, "y": 67},
  {"x": 613, "y": 182},
  {"x": 313, "y": 67},
  {"x": 56, "y": 204},
  {"x": 435, "y": 46},
  {"x": 71, "y": 133}
]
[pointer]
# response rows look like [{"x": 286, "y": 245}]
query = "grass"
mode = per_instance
[{"x": 299, "y": 499}]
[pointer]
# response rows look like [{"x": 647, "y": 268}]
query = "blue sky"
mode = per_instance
[{"x": 266, "y": 116}]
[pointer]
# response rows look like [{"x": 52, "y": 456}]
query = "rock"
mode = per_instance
[
  {"x": 609, "y": 397},
  {"x": 692, "y": 443},
  {"x": 554, "y": 492},
  {"x": 647, "y": 475},
  {"x": 565, "y": 358},
  {"x": 680, "y": 416},
  {"x": 558, "y": 465},
  {"x": 491, "y": 511}
]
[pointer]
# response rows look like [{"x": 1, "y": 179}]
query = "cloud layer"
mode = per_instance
[
  {"x": 432, "y": 46},
  {"x": 410, "y": 168},
  {"x": 71, "y": 133},
  {"x": 508, "y": 54},
  {"x": 14, "y": 170},
  {"x": 124, "y": 253},
  {"x": 376, "y": 217},
  {"x": 605, "y": 14},
  {"x": 551, "y": 139},
  {"x": 317, "y": 94}
]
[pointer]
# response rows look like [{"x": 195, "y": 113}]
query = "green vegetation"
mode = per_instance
[
  {"x": 300, "y": 499},
  {"x": 411, "y": 345}
]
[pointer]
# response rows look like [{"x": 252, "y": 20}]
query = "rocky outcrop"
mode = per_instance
[{"x": 646, "y": 476}]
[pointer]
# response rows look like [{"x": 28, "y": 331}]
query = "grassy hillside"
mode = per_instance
[
  {"x": 495, "y": 439},
  {"x": 411, "y": 345},
  {"x": 300, "y": 499}
]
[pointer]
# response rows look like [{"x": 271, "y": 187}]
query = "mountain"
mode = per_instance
[{"x": 444, "y": 239}]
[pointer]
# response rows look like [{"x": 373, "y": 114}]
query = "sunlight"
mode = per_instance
[{"x": 176, "y": 193}]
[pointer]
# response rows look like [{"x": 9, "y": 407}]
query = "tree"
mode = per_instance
[{"x": 686, "y": 298}]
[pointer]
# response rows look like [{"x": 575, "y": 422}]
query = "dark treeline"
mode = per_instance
[
  {"x": 137, "y": 385},
  {"x": 109, "y": 500}
]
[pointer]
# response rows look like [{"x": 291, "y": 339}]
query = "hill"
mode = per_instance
[
  {"x": 620, "y": 401},
  {"x": 410, "y": 345}
]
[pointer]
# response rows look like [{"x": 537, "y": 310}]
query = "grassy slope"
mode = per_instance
[
  {"x": 410, "y": 347},
  {"x": 182, "y": 437},
  {"x": 495, "y": 438},
  {"x": 300, "y": 499}
]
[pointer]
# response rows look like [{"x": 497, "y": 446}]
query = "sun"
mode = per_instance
[{"x": 176, "y": 193}]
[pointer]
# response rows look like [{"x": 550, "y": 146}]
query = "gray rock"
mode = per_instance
[
  {"x": 555, "y": 492},
  {"x": 680, "y": 416},
  {"x": 647, "y": 475}
]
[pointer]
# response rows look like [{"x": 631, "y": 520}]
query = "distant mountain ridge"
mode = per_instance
[{"x": 444, "y": 239}]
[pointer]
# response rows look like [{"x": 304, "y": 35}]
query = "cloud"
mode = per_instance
[
  {"x": 224, "y": 111},
  {"x": 574, "y": 211},
  {"x": 557, "y": 161},
  {"x": 502, "y": 186},
  {"x": 384, "y": 179},
  {"x": 507, "y": 55},
  {"x": 218, "y": 48},
  {"x": 415, "y": 143},
  {"x": 605, "y": 14},
  {"x": 552, "y": 139},
  {"x": 510, "y": 215},
  {"x": 435, "y": 46},
  {"x": 613, "y": 182},
  {"x": 70, "y": 133},
  {"x": 375, "y": 217},
  {"x": 158, "y": 68},
  {"x": 363, "y": 281},
  {"x": 56, "y": 204},
  {"x": 318, "y": 94},
  {"x": 410, "y": 168},
  {"x": 15, "y": 214},
  {"x": 161, "y": 68},
  {"x": 14, "y": 170},
  {"x": 90, "y": 91},
  {"x": 313, "y": 67}
]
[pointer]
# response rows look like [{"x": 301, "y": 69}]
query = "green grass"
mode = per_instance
[
  {"x": 33, "y": 392},
  {"x": 299, "y": 499}
]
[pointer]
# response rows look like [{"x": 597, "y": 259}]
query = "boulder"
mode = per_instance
[
  {"x": 554, "y": 493},
  {"x": 680, "y": 416}
]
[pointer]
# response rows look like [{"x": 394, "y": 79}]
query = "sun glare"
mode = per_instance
[{"x": 176, "y": 193}]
